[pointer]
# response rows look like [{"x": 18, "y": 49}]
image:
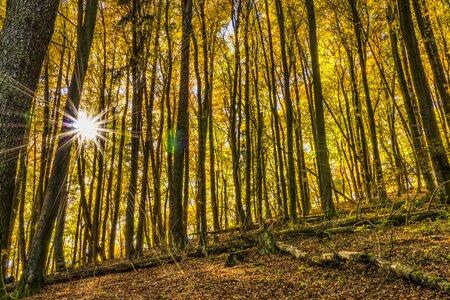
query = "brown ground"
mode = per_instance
[{"x": 425, "y": 245}]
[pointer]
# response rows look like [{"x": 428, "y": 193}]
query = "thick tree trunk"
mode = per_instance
[
  {"x": 181, "y": 138},
  {"x": 24, "y": 37}
]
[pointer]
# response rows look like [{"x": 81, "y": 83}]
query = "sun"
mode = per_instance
[{"x": 86, "y": 126}]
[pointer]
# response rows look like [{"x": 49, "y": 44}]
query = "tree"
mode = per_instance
[
  {"x": 325, "y": 179},
  {"x": 427, "y": 34},
  {"x": 181, "y": 137},
  {"x": 138, "y": 81},
  {"x": 289, "y": 117},
  {"x": 415, "y": 127},
  {"x": 24, "y": 37},
  {"x": 33, "y": 275},
  {"x": 436, "y": 148},
  {"x": 379, "y": 183}
]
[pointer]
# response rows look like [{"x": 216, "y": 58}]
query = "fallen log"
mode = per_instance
[
  {"x": 400, "y": 269},
  {"x": 348, "y": 226},
  {"x": 101, "y": 270},
  {"x": 231, "y": 246}
]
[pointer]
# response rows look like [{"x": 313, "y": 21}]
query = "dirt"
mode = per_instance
[{"x": 425, "y": 245}]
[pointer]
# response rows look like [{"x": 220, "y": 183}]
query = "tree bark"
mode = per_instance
[
  {"x": 138, "y": 78},
  {"x": 436, "y": 148},
  {"x": 379, "y": 183},
  {"x": 427, "y": 34},
  {"x": 292, "y": 184},
  {"x": 118, "y": 190},
  {"x": 58, "y": 243},
  {"x": 24, "y": 37},
  {"x": 408, "y": 99},
  {"x": 181, "y": 137},
  {"x": 325, "y": 179}
]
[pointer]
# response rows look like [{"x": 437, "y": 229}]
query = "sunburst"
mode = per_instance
[{"x": 87, "y": 127}]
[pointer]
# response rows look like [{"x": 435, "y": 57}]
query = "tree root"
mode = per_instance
[{"x": 400, "y": 269}]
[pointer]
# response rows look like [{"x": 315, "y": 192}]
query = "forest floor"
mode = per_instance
[{"x": 425, "y": 245}]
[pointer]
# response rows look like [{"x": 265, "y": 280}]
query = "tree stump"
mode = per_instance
[
  {"x": 236, "y": 258},
  {"x": 266, "y": 243}
]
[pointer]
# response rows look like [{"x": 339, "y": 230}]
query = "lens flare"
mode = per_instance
[{"x": 86, "y": 126}]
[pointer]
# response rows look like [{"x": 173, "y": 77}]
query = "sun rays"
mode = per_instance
[{"x": 87, "y": 128}]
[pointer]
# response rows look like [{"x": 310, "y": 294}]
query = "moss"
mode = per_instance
[{"x": 266, "y": 243}]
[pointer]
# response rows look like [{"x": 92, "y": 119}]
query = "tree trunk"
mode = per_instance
[
  {"x": 202, "y": 118},
  {"x": 148, "y": 138},
  {"x": 426, "y": 32},
  {"x": 24, "y": 37},
  {"x": 234, "y": 125},
  {"x": 292, "y": 184},
  {"x": 58, "y": 243},
  {"x": 301, "y": 163},
  {"x": 138, "y": 78},
  {"x": 181, "y": 138},
  {"x": 325, "y": 179},
  {"x": 33, "y": 276},
  {"x": 379, "y": 183},
  {"x": 436, "y": 148},
  {"x": 118, "y": 190},
  {"x": 248, "y": 141},
  {"x": 408, "y": 99}
]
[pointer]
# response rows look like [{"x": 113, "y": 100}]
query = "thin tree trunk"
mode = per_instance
[
  {"x": 138, "y": 79},
  {"x": 379, "y": 183},
  {"x": 33, "y": 275},
  {"x": 202, "y": 117},
  {"x": 325, "y": 179},
  {"x": 234, "y": 125},
  {"x": 118, "y": 190},
  {"x": 292, "y": 184},
  {"x": 416, "y": 131},
  {"x": 161, "y": 223},
  {"x": 148, "y": 138}
]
